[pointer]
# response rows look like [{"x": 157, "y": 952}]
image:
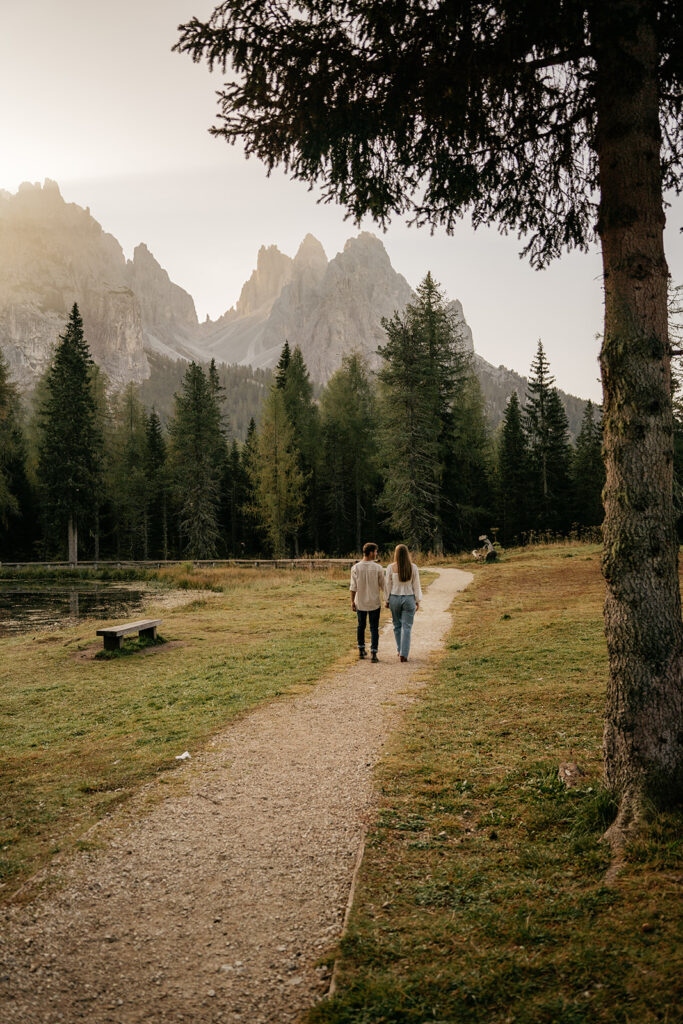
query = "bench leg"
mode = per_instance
[
  {"x": 148, "y": 634},
  {"x": 112, "y": 643}
]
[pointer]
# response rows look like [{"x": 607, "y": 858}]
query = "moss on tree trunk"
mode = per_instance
[{"x": 643, "y": 736}]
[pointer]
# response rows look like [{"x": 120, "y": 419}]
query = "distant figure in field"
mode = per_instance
[
  {"x": 487, "y": 553},
  {"x": 403, "y": 594},
  {"x": 367, "y": 580}
]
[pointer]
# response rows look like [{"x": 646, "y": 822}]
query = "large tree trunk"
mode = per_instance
[
  {"x": 643, "y": 737},
  {"x": 73, "y": 540}
]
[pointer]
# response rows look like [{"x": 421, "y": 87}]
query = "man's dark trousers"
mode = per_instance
[{"x": 374, "y": 628}]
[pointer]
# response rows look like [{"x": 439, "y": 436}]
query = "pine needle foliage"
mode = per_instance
[
  {"x": 588, "y": 470},
  {"x": 12, "y": 447},
  {"x": 71, "y": 443},
  {"x": 196, "y": 441},
  {"x": 278, "y": 480}
]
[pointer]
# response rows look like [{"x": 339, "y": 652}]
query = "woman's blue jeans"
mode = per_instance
[{"x": 402, "y": 607}]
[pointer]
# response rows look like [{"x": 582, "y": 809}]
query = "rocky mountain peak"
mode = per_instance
[
  {"x": 310, "y": 256},
  {"x": 273, "y": 270}
]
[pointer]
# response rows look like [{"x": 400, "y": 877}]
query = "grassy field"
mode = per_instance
[
  {"x": 78, "y": 735},
  {"x": 482, "y": 895}
]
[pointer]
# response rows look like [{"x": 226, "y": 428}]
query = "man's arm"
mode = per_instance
[{"x": 353, "y": 588}]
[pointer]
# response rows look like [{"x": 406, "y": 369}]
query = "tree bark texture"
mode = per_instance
[
  {"x": 643, "y": 738},
  {"x": 73, "y": 540}
]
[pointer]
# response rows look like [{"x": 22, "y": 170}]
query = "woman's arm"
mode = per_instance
[
  {"x": 387, "y": 584},
  {"x": 417, "y": 589}
]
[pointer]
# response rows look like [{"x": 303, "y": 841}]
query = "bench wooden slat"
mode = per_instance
[{"x": 129, "y": 627}]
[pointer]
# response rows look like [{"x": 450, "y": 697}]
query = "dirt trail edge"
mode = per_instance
[{"x": 214, "y": 904}]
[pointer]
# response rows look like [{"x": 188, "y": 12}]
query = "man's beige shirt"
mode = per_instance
[{"x": 367, "y": 579}]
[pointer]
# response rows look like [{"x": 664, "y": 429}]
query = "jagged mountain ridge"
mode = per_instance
[{"x": 54, "y": 253}]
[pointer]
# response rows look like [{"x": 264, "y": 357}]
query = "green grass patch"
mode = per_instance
[
  {"x": 482, "y": 895},
  {"x": 133, "y": 645},
  {"x": 79, "y": 735}
]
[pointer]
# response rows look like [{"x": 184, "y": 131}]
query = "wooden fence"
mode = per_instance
[{"x": 203, "y": 563}]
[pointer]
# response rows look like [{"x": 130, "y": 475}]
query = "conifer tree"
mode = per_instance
[
  {"x": 253, "y": 536},
  {"x": 558, "y": 464},
  {"x": 127, "y": 474},
  {"x": 588, "y": 470},
  {"x": 70, "y": 457},
  {"x": 468, "y": 481},
  {"x": 350, "y": 456},
  {"x": 282, "y": 365},
  {"x": 233, "y": 491},
  {"x": 409, "y": 433},
  {"x": 156, "y": 471},
  {"x": 536, "y": 425},
  {"x": 293, "y": 379},
  {"x": 513, "y": 474},
  {"x": 423, "y": 368},
  {"x": 545, "y": 423},
  {"x": 278, "y": 479},
  {"x": 445, "y": 373},
  {"x": 195, "y": 432},
  {"x": 14, "y": 487}
]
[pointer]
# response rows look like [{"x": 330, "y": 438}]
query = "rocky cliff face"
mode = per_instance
[
  {"x": 327, "y": 308},
  {"x": 53, "y": 254}
]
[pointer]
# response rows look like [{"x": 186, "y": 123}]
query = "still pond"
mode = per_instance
[{"x": 25, "y": 607}]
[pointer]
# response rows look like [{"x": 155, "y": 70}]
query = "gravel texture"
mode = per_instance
[{"x": 213, "y": 902}]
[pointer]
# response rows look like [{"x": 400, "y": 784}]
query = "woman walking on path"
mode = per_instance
[{"x": 403, "y": 594}]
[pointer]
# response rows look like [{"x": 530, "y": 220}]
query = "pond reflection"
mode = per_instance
[{"x": 30, "y": 606}]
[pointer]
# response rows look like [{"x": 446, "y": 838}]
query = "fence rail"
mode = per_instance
[{"x": 204, "y": 563}]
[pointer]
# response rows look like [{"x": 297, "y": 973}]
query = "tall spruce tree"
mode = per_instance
[
  {"x": 445, "y": 375},
  {"x": 128, "y": 474},
  {"x": 559, "y": 463},
  {"x": 588, "y": 470},
  {"x": 545, "y": 423},
  {"x": 293, "y": 380},
  {"x": 513, "y": 474},
  {"x": 253, "y": 535},
  {"x": 15, "y": 505},
  {"x": 283, "y": 365},
  {"x": 278, "y": 480},
  {"x": 536, "y": 427},
  {"x": 195, "y": 434},
  {"x": 233, "y": 491},
  {"x": 409, "y": 434},
  {"x": 156, "y": 471},
  {"x": 70, "y": 456},
  {"x": 350, "y": 456},
  {"x": 423, "y": 367},
  {"x": 558, "y": 121},
  {"x": 469, "y": 462}
]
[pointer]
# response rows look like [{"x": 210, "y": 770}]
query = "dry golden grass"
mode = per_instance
[{"x": 78, "y": 735}]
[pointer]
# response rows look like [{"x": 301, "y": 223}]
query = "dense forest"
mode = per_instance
[{"x": 405, "y": 453}]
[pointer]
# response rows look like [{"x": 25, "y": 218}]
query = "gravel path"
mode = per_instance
[{"x": 214, "y": 903}]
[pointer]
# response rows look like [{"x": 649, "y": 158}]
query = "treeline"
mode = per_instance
[{"x": 401, "y": 454}]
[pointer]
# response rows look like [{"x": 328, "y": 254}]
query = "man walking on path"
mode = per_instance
[{"x": 367, "y": 584}]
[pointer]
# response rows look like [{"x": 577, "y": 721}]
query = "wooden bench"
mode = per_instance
[{"x": 113, "y": 635}]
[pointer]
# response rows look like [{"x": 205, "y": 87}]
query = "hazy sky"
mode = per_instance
[{"x": 93, "y": 97}]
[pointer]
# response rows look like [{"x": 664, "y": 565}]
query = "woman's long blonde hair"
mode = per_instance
[{"x": 403, "y": 564}]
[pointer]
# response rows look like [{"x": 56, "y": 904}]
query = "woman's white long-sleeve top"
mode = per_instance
[{"x": 393, "y": 585}]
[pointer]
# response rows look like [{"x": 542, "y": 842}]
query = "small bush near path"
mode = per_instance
[
  {"x": 79, "y": 735},
  {"x": 482, "y": 896}
]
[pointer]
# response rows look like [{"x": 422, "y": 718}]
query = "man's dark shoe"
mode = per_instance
[
  {"x": 362, "y": 653},
  {"x": 374, "y": 656}
]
